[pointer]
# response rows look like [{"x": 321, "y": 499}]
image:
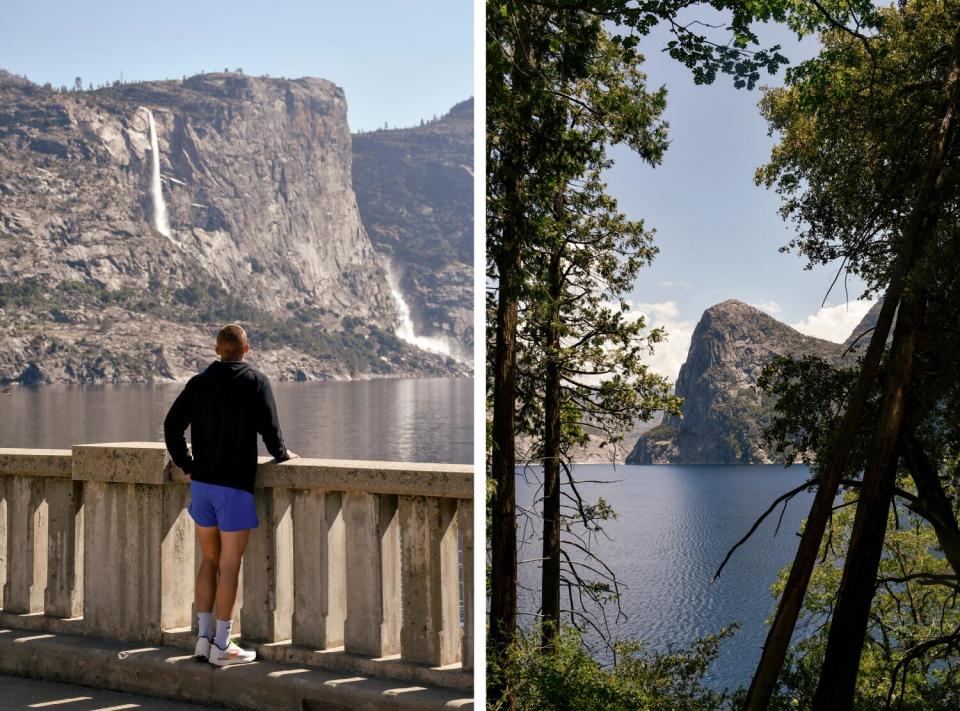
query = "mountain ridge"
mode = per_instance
[
  {"x": 254, "y": 176},
  {"x": 414, "y": 188},
  {"x": 724, "y": 411}
]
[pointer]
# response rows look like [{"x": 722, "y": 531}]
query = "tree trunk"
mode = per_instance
[
  {"x": 918, "y": 232},
  {"x": 933, "y": 503},
  {"x": 509, "y": 262},
  {"x": 778, "y": 638},
  {"x": 503, "y": 543},
  {"x": 848, "y": 626},
  {"x": 503, "y": 516},
  {"x": 551, "y": 461}
]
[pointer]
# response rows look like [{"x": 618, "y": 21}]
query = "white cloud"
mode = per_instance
[
  {"x": 770, "y": 307},
  {"x": 674, "y": 284},
  {"x": 669, "y": 355},
  {"x": 834, "y": 323}
]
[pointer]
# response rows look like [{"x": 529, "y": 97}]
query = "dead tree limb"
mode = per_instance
[{"x": 783, "y": 498}]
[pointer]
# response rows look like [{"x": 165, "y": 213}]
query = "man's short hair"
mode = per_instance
[{"x": 231, "y": 341}]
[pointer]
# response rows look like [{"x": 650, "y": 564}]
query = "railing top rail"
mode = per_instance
[
  {"x": 15, "y": 461},
  {"x": 148, "y": 462},
  {"x": 373, "y": 477}
]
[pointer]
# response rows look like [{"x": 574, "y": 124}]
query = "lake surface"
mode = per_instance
[
  {"x": 675, "y": 525},
  {"x": 404, "y": 419}
]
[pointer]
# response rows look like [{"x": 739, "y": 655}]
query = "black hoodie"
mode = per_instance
[{"x": 225, "y": 406}]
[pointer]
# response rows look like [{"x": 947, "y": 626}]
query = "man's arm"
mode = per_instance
[
  {"x": 174, "y": 425},
  {"x": 268, "y": 423}
]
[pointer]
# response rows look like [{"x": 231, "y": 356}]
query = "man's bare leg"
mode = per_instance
[
  {"x": 205, "y": 587},
  {"x": 222, "y": 651},
  {"x": 206, "y": 583},
  {"x": 232, "y": 546}
]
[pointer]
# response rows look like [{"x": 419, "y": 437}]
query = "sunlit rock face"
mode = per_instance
[
  {"x": 261, "y": 224},
  {"x": 415, "y": 191},
  {"x": 724, "y": 412}
]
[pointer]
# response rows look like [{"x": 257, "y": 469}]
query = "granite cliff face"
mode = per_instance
[
  {"x": 724, "y": 411},
  {"x": 859, "y": 339},
  {"x": 415, "y": 191},
  {"x": 134, "y": 219}
]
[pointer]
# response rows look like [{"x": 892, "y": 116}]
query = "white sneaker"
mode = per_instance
[
  {"x": 202, "y": 650},
  {"x": 231, "y": 655}
]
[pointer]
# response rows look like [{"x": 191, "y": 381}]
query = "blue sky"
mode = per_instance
[
  {"x": 397, "y": 61},
  {"x": 718, "y": 233}
]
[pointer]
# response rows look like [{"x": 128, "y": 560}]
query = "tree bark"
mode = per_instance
[
  {"x": 920, "y": 229},
  {"x": 933, "y": 503},
  {"x": 508, "y": 259},
  {"x": 503, "y": 536},
  {"x": 848, "y": 626},
  {"x": 550, "y": 581},
  {"x": 778, "y": 638}
]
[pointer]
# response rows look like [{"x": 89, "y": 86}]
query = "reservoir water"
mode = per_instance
[
  {"x": 404, "y": 419},
  {"x": 675, "y": 524}
]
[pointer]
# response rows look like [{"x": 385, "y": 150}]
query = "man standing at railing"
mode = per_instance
[{"x": 225, "y": 406}]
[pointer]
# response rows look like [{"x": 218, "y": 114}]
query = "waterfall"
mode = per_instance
[
  {"x": 443, "y": 345},
  {"x": 158, "y": 217}
]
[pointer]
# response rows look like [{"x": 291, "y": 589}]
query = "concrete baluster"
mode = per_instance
[
  {"x": 430, "y": 631},
  {"x": 138, "y": 561},
  {"x": 3, "y": 537},
  {"x": 26, "y": 545},
  {"x": 268, "y": 569},
  {"x": 177, "y": 545},
  {"x": 319, "y": 569},
  {"x": 64, "y": 594},
  {"x": 372, "y": 626},
  {"x": 465, "y": 523}
]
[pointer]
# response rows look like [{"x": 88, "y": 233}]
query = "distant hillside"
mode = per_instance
[
  {"x": 136, "y": 218},
  {"x": 724, "y": 411},
  {"x": 414, "y": 188}
]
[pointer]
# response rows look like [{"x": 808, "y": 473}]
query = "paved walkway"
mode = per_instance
[
  {"x": 174, "y": 672},
  {"x": 20, "y": 693}
]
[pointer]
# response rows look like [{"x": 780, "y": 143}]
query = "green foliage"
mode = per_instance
[
  {"x": 211, "y": 303},
  {"x": 561, "y": 246},
  {"x": 27, "y": 294},
  {"x": 640, "y": 680},
  {"x": 360, "y": 346},
  {"x": 810, "y": 395},
  {"x": 604, "y": 382},
  {"x": 730, "y": 51},
  {"x": 911, "y": 656},
  {"x": 36, "y": 295},
  {"x": 855, "y": 124},
  {"x": 857, "y": 127}
]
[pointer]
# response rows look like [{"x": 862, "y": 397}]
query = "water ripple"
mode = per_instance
[{"x": 675, "y": 525}]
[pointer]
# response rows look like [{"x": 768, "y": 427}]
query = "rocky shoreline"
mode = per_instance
[
  {"x": 136, "y": 219},
  {"x": 137, "y": 348}
]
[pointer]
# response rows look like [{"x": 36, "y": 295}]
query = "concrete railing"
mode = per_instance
[{"x": 355, "y": 565}]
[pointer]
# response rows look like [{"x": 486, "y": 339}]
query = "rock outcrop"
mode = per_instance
[
  {"x": 260, "y": 225},
  {"x": 415, "y": 191},
  {"x": 859, "y": 338},
  {"x": 724, "y": 411}
]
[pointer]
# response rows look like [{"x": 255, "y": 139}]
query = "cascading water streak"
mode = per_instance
[
  {"x": 405, "y": 330},
  {"x": 158, "y": 217}
]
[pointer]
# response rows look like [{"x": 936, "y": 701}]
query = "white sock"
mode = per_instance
[
  {"x": 205, "y": 624},
  {"x": 223, "y": 633}
]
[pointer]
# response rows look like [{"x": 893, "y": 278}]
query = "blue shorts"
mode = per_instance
[{"x": 226, "y": 508}]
